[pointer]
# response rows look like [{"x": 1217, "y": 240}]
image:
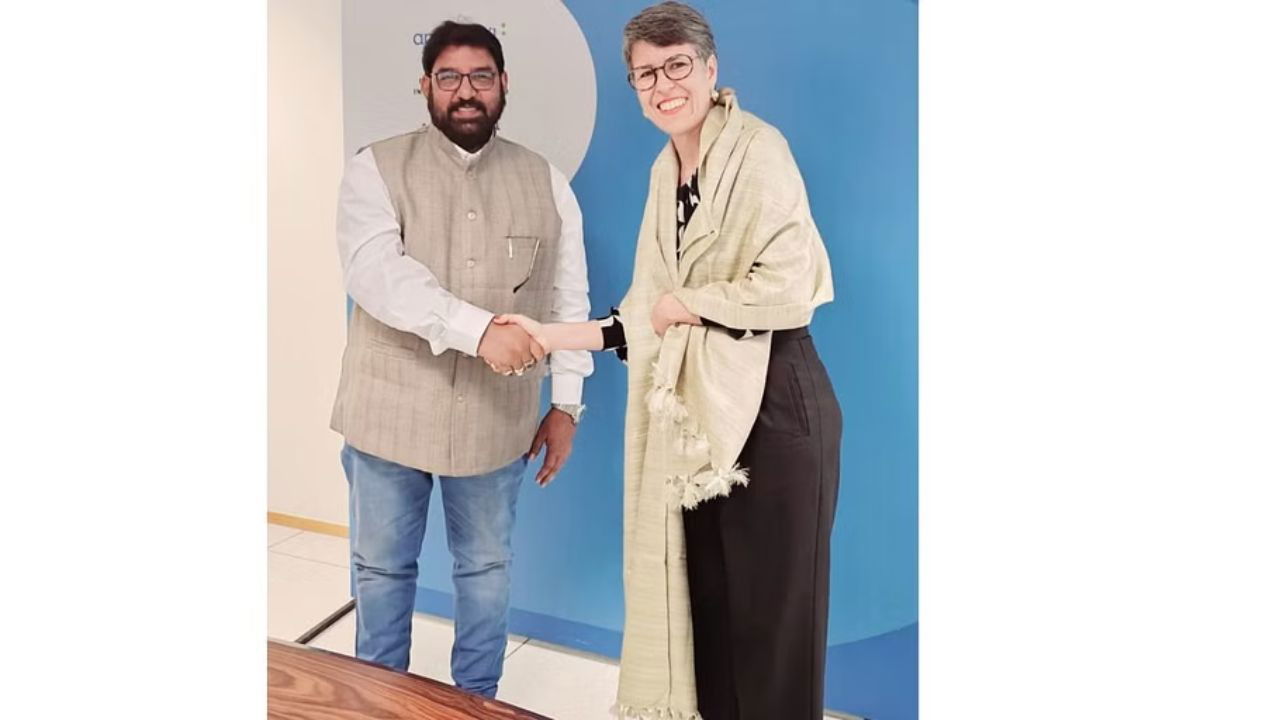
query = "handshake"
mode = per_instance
[{"x": 513, "y": 344}]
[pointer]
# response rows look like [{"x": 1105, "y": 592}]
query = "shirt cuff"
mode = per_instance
[
  {"x": 466, "y": 328},
  {"x": 566, "y": 389}
]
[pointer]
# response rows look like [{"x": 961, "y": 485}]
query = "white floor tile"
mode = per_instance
[
  {"x": 557, "y": 684},
  {"x": 317, "y": 546},
  {"x": 301, "y": 593},
  {"x": 279, "y": 533},
  {"x": 432, "y": 645},
  {"x": 340, "y": 637}
]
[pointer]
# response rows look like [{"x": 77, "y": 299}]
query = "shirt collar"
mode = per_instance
[
  {"x": 453, "y": 151},
  {"x": 467, "y": 157}
]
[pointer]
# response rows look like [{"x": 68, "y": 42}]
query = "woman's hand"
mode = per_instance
[
  {"x": 535, "y": 332},
  {"x": 669, "y": 311},
  {"x": 529, "y": 325}
]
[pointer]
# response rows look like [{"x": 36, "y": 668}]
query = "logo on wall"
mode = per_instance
[
  {"x": 500, "y": 32},
  {"x": 551, "y": 101}
]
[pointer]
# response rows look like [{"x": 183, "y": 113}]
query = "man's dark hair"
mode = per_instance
[{"x": 450, "y": 33}]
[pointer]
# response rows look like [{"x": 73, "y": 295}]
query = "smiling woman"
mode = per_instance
[
  {"x": 739, "y": 270},
  {"x": 676, "y": 87}
]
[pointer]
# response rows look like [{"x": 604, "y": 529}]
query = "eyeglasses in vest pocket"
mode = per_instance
[{"x": 520, "y": 241}]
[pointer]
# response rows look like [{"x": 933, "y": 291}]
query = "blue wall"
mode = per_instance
[{"x": 839, "y": 80}]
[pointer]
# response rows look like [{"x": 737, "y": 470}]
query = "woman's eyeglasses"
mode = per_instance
[{"x": 676, "y": 67}]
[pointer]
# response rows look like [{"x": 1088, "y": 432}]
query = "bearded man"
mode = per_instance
[{"x": 438, "y": 230}]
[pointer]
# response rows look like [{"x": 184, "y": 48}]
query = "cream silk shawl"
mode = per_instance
[{"x": 751, "y": 258}]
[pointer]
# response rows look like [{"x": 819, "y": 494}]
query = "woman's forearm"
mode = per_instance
[{"x": 574, "y": 336}]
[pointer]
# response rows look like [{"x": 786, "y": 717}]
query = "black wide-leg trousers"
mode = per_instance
[{"x": 759, "y": 560}]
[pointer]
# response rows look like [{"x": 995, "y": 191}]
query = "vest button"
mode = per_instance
[
  {"x": 471, "y": 263},
  {"x": 471, "y": 214},
  {"x": 459, "y": 398}
]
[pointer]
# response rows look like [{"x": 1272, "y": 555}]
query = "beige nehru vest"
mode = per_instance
[{"x": 482, "y": 228}]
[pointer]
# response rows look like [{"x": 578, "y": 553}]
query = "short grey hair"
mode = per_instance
[{"x": 668, "y": 23}]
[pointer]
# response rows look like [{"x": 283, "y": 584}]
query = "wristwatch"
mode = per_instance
[{"x": 573, "y": 410}]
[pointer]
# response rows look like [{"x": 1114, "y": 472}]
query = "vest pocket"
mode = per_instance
[{"x": 524, "y": 252}]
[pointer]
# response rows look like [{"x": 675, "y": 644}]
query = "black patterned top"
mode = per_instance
[{"x": 687, "y": 200}]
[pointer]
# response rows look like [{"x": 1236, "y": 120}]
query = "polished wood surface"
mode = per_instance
[{"x": 310, "y": 684}]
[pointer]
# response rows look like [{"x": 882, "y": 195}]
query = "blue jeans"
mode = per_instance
[{"x": 388, "y": 520}]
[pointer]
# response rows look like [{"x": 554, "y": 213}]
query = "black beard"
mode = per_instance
[{"x": 470, "y": 135}]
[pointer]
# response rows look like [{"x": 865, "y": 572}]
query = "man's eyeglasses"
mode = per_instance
[
  {"x": 480, "y": 79},
  {"x": 511, "y": 253},
  {"x": 676, "y": 67}
]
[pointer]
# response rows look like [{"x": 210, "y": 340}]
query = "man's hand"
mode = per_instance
[
  {"x": 669, "y": 311},
  {"x": 556, "y": 432},
  {"x": 509, "y": 349},
  {"x": 535, "y": 329}
]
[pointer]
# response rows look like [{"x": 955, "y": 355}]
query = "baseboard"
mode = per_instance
[{"x": 302, "y": 523}]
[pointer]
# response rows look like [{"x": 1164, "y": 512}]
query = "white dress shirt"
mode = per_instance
[{"x": 403, "y": 293}]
